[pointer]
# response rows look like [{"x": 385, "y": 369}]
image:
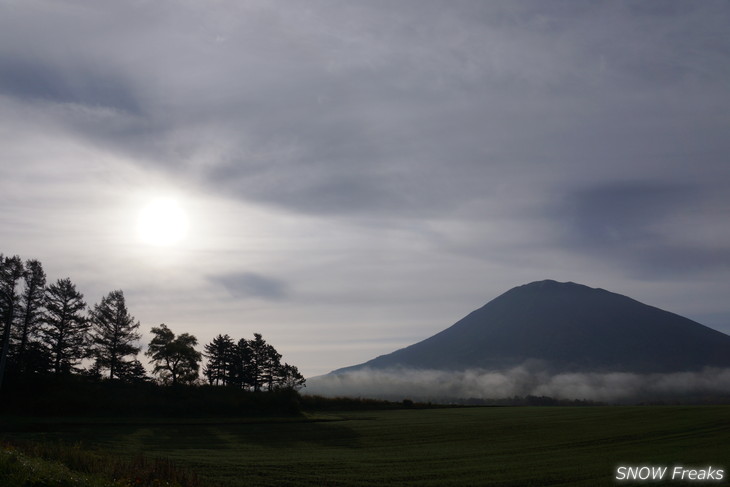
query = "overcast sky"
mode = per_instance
[{"x": 358, "y": 176}]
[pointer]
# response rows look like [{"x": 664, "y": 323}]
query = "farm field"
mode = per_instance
[{"x": 570, "y": 446}]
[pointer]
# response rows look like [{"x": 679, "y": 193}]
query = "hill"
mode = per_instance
[{"x": 565, "y": 327}]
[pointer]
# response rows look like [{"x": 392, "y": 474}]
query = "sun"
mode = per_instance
[{"x": 162, "y": 223}]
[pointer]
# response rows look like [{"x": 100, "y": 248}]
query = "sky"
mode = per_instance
[{"x": 355, "y": 176}]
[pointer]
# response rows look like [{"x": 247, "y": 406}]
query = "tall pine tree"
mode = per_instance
[
  {"x": 258, "y": 360},
  {"x": 221, "y": 355},
  {"x": 241, "y": 372},
  {"x": 271, "y": 367},
  {"x": 65, "y": 326},
  {"x": 114, "y": 333},
  {"x": 31, "y": 313},
  {"x": 11, "y": 270}
]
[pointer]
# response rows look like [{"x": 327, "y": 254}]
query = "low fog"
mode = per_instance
[{"x": 525, "y": 380}]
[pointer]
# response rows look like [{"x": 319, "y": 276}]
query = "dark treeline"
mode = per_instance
[
  {"x": 252, "y": 364},
  {"x": 49, "y": 331}
]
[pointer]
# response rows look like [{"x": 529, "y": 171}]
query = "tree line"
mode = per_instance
[
  {"x": 252, "y": 364},
  {"x": 48, "y": 329}
]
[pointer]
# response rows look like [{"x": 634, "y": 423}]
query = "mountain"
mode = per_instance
[{"x": 565, "y": 327}]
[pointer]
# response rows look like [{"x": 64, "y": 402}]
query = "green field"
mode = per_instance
[{"x": 452, "y": 446}]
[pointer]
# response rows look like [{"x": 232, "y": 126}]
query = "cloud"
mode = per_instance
[
  {"x": 656, "y": 229},
  {"x": 418, "y": 109},
  {"x": 31, "y": 80},
  {"x": 247, "y": 285},
  {"x": 423, "y": 155},
  {"x": 524, "y": 380},
  {"x": 625, "y": 212}
]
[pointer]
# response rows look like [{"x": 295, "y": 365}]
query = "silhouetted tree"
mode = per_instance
[
  {"x": 221, "y": 355},
  {"x": 290, "y": 378},
  {"x": 241, "y": 373},
  {"x": 258, "y": 361},
  {"x": 65, "y": 327},
  {"x": 253, "y": 364},
  {"x": 31, "y": 311},
  {"x": 93, "y": 371},
  {"x": 114, "y": 331},
  {"x": 132, "y": 372},
  {"x": 175, "y": 358},
  {"x": 271, "y": 368},
  {"x": 11, "y": 270},
  {"x": 36, "y": 359}
]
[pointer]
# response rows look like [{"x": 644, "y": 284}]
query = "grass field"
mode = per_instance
[{"x": 506, "y": 446}]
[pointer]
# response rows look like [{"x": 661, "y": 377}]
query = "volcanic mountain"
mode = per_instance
[{"x": 565, "y": 327}]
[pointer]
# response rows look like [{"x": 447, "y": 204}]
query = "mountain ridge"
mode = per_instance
[{"x": 565, "y": 327}]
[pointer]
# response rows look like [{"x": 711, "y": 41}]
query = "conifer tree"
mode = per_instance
[
  {"x": 258, "y": 360},
  {"x": 271, "y": 367},
  {"x": 221, "y": 355},
  {"x": 255, "y": 365},
  {"x": 241, "y": 373},
  {"x": 65, "y": 326},
  {"x": 132, "y": 372},
  {"x": 11, "y": 270},
  {"x": 31, "y": 312},
  {"x": 114, "y": 333}
]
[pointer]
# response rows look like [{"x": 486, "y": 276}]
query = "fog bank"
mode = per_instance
[{"x": 524, "y": 380}]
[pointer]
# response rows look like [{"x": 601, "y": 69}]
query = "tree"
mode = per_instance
[
  {"x": 36, "y": 359},
  {"x": 11, "y": 270},
  {"x": 31, "y": 310},
  {"x": 221, "y": 355},
  {"x": 65, "y": 327},
  {"x": 175, "y": 358},
  {"x": 114, "y": 331},
  {"x": 258, "y": 361},
  {"x": 264, "y": 364},
  {"x": 241, "y": 372},
  {"x": 290, "y": 378},
  {"x": 271, "y": 367},
  {"x": 249, "y": 364},
  {"x": 132, "y": 372}
]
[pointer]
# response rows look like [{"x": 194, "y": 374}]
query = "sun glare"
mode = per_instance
[{"x": 162, "y": 223}]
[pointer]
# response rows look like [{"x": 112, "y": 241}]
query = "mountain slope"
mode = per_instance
[{"x": 567, "y": 327}]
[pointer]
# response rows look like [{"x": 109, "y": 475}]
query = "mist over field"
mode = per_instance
[{"x": 526, "y": 379}]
